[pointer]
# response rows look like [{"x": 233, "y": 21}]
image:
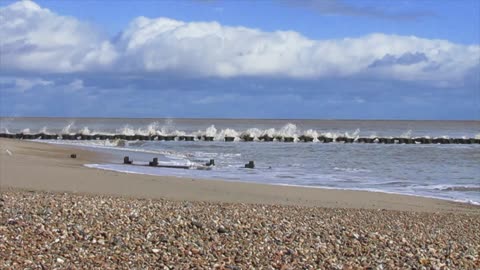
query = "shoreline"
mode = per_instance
[
  {"x": 93, "y": 166},
  {"x": 51, "y": 169}
]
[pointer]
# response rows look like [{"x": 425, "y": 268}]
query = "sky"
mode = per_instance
[{"x": 320, "y": 59}]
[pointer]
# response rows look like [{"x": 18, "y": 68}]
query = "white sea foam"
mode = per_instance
[
  {"x": 168, "y": 128},
  {"x": 68, "y": 128}
]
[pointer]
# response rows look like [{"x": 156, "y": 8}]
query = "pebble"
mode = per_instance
[{"x": 41, "y": 230}]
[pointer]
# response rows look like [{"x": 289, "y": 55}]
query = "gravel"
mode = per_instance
[{"x": 67, "y": 231}]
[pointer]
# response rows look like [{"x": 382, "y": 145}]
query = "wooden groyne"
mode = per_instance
[
  {"x": 156, "y": 164},
  {"x": 244, "y": 138}
]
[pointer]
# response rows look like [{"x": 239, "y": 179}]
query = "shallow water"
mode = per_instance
[{"x": 442, "y": 171}]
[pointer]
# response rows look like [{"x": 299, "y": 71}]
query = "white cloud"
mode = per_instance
[
  {"x": 39, "y": 40},
  {"x": 36, "y": 39},
  {"x": 75, "y": 85},
  {"x": 23, "y": 84}
]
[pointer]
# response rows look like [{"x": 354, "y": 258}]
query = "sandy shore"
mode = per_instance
[
  {"x": 45, "y": 167},
  {"x": 57, "y": 214}
]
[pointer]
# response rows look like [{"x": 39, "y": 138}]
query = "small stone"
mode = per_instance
[
  {"x": 60, "y": 260},
  {"x": 197, "y": 224},
  {"x": 155, "y": 250},
  {"x": 222, "y": 230}
]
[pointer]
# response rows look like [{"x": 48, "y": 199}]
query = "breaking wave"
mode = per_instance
[{"x": 153, "y": 129}]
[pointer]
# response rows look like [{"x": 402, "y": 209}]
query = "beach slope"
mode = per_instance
[{"x": 47, "y": 167}]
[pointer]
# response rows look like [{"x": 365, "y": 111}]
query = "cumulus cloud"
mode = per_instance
[{"x": 38, "y": 40}]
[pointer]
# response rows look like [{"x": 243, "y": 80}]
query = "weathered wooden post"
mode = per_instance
[
  {"x": 126, "y": 160},
  {"x": 154, "y": 162},
  {"x": 250, "y": 165},
  {"x": 210, "y": 163}
]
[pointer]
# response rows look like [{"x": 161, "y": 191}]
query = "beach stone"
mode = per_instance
[
  {"x": 197, "y": 224},
  {"x": 161, "y": 234},
  {"x": 221, "y": 229}
]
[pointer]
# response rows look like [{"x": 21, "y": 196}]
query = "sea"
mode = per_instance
[{"x": 444, "y": 171}]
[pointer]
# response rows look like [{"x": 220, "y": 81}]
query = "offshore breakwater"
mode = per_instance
[{"x": 246, "y": 137}]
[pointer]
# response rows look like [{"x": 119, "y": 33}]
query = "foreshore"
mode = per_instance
[
  {"x": 58, "y": 213},
  {"x": 47, "y": 167}
]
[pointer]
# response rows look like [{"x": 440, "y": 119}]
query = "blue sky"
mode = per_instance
[{"x": 241, "y": 59}]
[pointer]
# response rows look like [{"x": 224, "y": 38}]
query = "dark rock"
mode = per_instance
[
  {"x": 388, "y": 141},
  {"x": 28, "y": 137},
  {"x": 85, "y": 137},
  {"x": 247, "y": 138},
  {"x": 229, "y": 139},
  {"x": 208, "y": 138},
  {"x": 145, "y": 138},
  {"x": 119, "y": 137},
  {"x": 197, "y": 224},
  {"x": 325, "y": 139},
  {"x": 184, "y": 138},
  {"x": 73, "y": 156},
  {"x": 288, "y": 139},
  {"x": 67, "y": 137},
  {"x": 266, "y": 138},
  {"x": 170, "y": 138},
  {"x": 305, "y": 138},
  {"x": 222, "y": 229}
]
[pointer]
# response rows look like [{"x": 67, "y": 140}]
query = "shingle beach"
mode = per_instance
[{"x": 41, "y": 230}]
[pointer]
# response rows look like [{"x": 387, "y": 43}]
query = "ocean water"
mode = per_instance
[{"x": 449, "y": 172}]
